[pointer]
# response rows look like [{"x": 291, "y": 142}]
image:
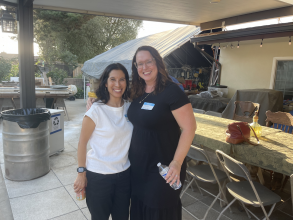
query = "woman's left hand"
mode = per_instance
[{"x": 173, "y": 173}]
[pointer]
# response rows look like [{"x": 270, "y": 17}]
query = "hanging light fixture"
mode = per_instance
[
  {"x": 238, "y": 45},
  {"x": 290, "y": 40},
  {"x": 7, "y": 23},
  {"x": 219, "y": 46},
  {"x": 232, "y": 47},
  {"x": 202, "y": 48},
  {"x": 261, "y": 43}
]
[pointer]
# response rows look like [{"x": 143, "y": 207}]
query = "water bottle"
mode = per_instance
[{"x": 163, "y": 170}]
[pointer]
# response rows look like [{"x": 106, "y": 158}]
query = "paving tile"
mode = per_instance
[
  {"x": 63, "y": 159},
  {"x": 76, "y": 215},
  {"x": 87, "y": 213},
  {"x": 238, "y": 212},
  {"x": 199, "y": 209},
  {"x": 186, "y": 216},
  {"x": 16, "y": 189},
  {"x": 1, "y": 156},
  {"x": 71, "y": 134},
  {"x": 73, "y": 144},
  {"x": 66, "y": 175},
  {"x": 43, "y": 205},
  {"x": 69, "y": 148},
  {"x": 186, "y": 200},
  {"x": 196, "y": 194},
  {"x": 278, "y": 215},
  {"x": 81, "y": 204}
]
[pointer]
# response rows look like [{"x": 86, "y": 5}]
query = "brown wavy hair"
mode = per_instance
[{"x": 138, "y": 84}]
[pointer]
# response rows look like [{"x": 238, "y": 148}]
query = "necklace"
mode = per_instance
[{"x": 145, "y": 97}]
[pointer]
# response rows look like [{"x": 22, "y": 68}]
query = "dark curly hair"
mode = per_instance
[
  {"x": 102, "y": 92},
  {"x": 138, "y": 85}
]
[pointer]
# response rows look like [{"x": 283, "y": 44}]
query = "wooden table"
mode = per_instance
[
  {"x": 16, "y": 95},
  {"x": 275, "y": 151}
]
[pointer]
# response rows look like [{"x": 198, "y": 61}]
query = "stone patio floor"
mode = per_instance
[{"x": 52, "y": 196}]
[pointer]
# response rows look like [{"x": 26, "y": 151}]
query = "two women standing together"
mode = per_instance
[{"x": 128, "y": 140}]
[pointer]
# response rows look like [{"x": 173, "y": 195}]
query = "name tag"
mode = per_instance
[{"x": 148, "y": 106}]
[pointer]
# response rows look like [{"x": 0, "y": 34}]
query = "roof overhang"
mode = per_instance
[
  {"x": 263, "y": 32},
  {"x": 192, "y": 12}
]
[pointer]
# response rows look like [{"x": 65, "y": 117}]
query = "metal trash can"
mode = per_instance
[{"x": 26, "y": 143}]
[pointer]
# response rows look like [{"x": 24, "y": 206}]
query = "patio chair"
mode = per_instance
[
  {"x": 280, "y": 120},
  {"x": 205, "y": 173},
  {"x": 198, "y": 111},
  {"x": 217, "y": 114},
  {"x": 247, "y": 109},
  {"x": 283, "y": 121},
  {"x": 248, "y": 192}
]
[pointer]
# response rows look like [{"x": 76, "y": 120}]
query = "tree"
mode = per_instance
[
  {"x": 5, "y": 67},
  {"x": 71, "y": 37}
]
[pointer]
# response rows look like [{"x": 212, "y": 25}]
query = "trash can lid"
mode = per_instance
[{"x": 27, "y": 117}]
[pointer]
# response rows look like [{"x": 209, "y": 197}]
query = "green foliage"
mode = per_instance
[
  {"x": 5, "y": 67},
  {"x": 71, "y": 37},
  {"x": 79, "y": 94},
  {"x": 58, "y": 76},
  {"x": 15, "y": 69}
]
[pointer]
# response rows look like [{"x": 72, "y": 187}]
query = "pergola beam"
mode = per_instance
[
  {"x": 263, "y": 32},
  {"x": 5, "y": 3},
  {"x": 257, "y": 16}
]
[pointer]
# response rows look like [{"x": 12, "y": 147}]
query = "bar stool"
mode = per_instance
[{"x": 61, "y": 104}]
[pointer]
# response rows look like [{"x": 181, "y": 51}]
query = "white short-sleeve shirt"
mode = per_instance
[{"x": 110, "y": 141}]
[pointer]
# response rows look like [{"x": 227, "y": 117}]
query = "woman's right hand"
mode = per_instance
[
  {"x": 80, "y": 182},
  {"x": 89, "y": 103}
]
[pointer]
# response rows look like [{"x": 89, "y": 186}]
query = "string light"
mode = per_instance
[
  {"x": 261, "y": 43},
  {"x": 219, "y": 46},
  {"x": 238, "y": 45},
  {"x": 232, "y": 46},
  {"x": 202, "y": 48},
  {"x": 290, "y": 40}
]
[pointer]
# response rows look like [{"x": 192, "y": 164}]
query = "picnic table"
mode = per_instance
[{"x": 275, "y": 151}]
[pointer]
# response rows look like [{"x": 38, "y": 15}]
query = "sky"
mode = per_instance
[{"x": 149, "y": 27}]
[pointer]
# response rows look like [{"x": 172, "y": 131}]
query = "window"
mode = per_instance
[{"x": 284, "y": 78}]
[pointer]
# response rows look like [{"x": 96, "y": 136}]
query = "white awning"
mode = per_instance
[{"x": 165, "y": 42}]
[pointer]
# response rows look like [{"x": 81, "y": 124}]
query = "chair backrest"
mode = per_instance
[
  {"x": 198, "y": 111},
  {"x": 198, "y": 154},
  {"x": 233, "y": 166},
  {"x": 281, "y": 120},
  {"x": 217, "y": 114},
  {"x": 244, "y": 110}
]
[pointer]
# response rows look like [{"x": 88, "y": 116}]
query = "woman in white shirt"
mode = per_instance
[{"x": 104, "y": 170}]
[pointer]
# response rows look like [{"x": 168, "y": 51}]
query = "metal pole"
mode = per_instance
[
  {"x": 211, "y": 58},
  {"x": 26, "y": 54},
  {"x": 84, "y": 89}
]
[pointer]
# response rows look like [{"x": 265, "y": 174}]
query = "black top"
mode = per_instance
[{"x": 155, "y": 138}]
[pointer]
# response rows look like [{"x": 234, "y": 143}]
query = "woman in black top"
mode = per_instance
[{"x": 158, "y": 111}]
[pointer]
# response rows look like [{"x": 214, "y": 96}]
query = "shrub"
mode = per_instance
[{"x": 79, "y": 94}]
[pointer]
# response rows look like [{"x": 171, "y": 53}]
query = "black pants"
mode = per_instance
[{"x": 108, "y": 194}]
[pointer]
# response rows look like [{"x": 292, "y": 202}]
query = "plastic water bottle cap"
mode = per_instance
[{"x": 159, "y": 164}]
